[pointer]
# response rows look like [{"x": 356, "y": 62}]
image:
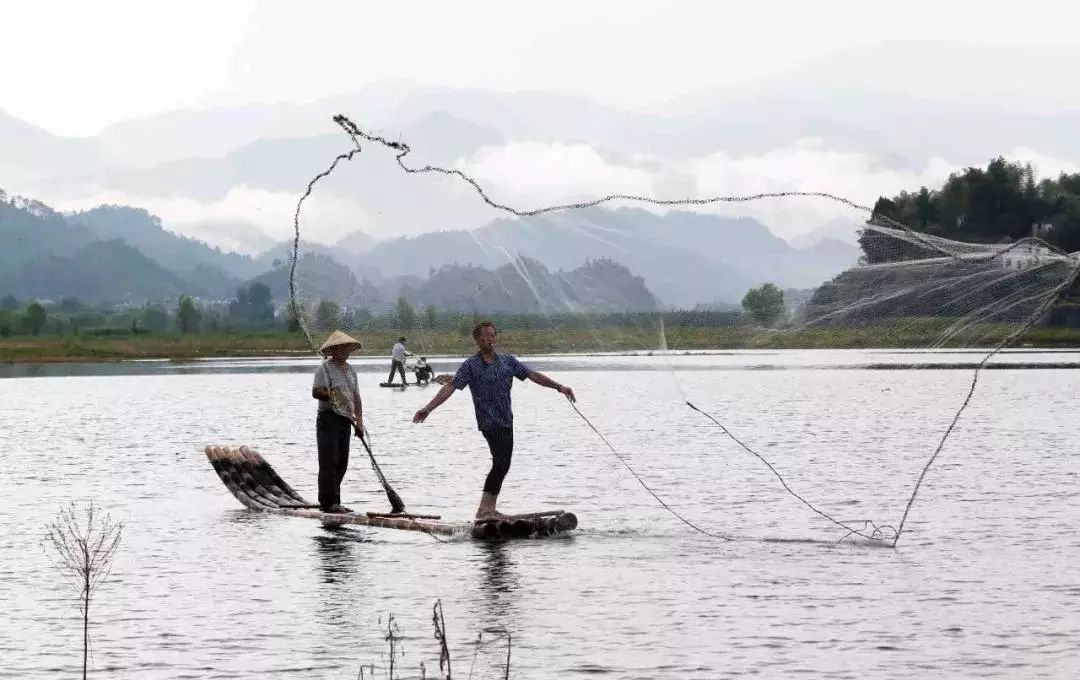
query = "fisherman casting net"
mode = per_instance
[{"x": 645, "y": 286}]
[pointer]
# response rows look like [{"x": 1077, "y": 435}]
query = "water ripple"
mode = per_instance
[{"x": 984, "y": 583}]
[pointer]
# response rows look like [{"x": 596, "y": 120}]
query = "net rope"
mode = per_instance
[{"x": 924, "y": 285}]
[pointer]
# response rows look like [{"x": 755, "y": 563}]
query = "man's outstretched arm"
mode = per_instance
[
  {"x": 438, "y": 399},
  {"x": 544, "y": 381}
]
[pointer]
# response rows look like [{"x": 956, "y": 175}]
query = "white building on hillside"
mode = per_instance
[{"x": 1026, "y": 255}]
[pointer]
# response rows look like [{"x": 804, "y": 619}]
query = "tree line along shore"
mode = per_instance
[{"x": 637, "y": 339}]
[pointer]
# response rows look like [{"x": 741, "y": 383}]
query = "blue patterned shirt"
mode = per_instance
[{"x": 490, "y": 386}]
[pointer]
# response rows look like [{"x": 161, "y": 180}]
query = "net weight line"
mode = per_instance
[
  {"x": 1012, "y": 337},
  {"x": 878, "y": 533},
  {"x": 641, "y": 481}
]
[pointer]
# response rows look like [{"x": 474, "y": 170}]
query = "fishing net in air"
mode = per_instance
[{"x": 727, "y": 373}]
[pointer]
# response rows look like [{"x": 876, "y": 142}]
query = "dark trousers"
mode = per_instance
[
  {"x": 333, "y": 433},
  {"x": 400, "y": 368},
  {"x": 501, "y": 443}
]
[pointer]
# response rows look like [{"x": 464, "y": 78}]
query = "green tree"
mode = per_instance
[
  {"x": 89, "y": 320},
  {"x": 764, "y": 304},
  {"x": 211, "y": 321},
  {"x": 124, "y": 320},
  {"x": 253, "y": 306},
  {"x": 9, "y": 303},
  {"x": 328, "y": 315},
  {"x": 431, "y": 317},
  {"x": 35, "y": 318},
  {"x": 348, "y": 320},
  {"x": 240, "y": 308},
  {"x": 262, "y": 304},
  {"x": 155, "y": 320},
  {"x": 405, "y": 315},
  {"x": 292, "y": 319},
  {"x": 363, "y": 318},
  {"x": 5, "y": 323},
  {"x": 1001, "y": 202},
  {"x": 70, "y": 305},
  {"x": 187, "y": 316}
]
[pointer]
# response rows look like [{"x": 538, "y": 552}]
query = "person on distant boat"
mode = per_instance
[
  {"x": 489, "y": 376},
  {"x": 397, "y": 361},
  {"x": 423, "y": 371},
  {"x": 340, "y": 415}
]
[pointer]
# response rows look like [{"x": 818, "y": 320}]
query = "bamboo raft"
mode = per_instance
[{"x": 257, "y": 486}]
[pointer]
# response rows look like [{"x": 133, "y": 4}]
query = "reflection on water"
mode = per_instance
[
  {"x": 498, "y": 583},
  {"x": 343, "y": 559},
  {"x": 339, "y": 552}
]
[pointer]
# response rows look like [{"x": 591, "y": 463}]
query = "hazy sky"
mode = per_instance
[{"x": 74, "y": 67}]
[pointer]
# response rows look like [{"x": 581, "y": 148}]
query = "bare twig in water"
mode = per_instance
[
  {"x": 393, "y": 639},
  {"x": 475, "y": 653},
  {"x": 440, "y": 635},
  {"x": 392, "y": 636},
  {"x": 83, "y": 543},
  {"x": 509, "y": 643},
  {"x": 499, "y": 632}
]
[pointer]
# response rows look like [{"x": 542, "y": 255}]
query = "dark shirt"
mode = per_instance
[{"x": 490, "y": 386}]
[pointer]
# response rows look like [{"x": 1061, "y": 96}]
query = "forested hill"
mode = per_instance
[
  {"x": 999, "y": 204},
  {"x": 1002, "y": 202}
]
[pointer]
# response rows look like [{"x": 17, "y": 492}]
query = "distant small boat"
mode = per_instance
[
  {"x": 254, "y": 483},
  {"x": 439, "y": 379}
]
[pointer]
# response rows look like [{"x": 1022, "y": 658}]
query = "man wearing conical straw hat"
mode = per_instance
[{"x": 339, "y": 416}]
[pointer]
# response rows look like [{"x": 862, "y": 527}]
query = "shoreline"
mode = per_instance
[{"x": 176, "y": 348}]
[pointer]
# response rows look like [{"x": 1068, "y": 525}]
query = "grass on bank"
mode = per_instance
[{"x": 51, "y": 348}]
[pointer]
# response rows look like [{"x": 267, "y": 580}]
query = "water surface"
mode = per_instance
[{"x": 984, "y": 583}]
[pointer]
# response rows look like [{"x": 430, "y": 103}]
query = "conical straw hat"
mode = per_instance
[{"x": 338, "y": 339}]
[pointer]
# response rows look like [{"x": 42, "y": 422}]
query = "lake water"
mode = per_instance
[{"x": 985, "y": 581}]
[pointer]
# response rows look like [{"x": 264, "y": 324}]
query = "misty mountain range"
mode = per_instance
[
  {"x": 216, "y": 172},
  {"x": 624, "y": 259},
  {"x": 848, "y": 98},
  {"x": 230, "y": 176}
]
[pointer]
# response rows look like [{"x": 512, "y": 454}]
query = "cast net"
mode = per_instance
[{"x": 658, "y": 310}]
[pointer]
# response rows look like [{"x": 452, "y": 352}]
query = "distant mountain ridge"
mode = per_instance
[
  {"x": 527, "y": 286},
  {"x": 199, "y": 157},
  {"x": 30, "y": 230},
  {"x": 145, "y": 232},
  {"x": 522, "y": 287},
  {"x": 685, "y": 258},
  {"x": 110, "y": 271},
  {"x": 100, "y": 255},
  {"x": 33, "y": 154},
  {"x": 893, "y": 112}
]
